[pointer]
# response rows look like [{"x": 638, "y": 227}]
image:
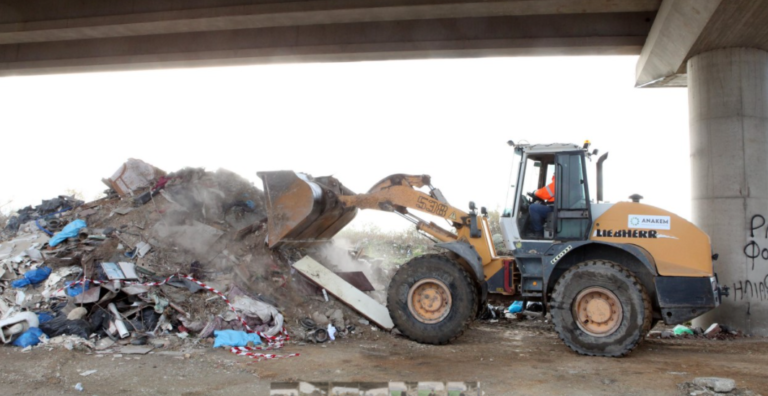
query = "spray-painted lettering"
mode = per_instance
[
  {"x": 753, "y": 250},
  {"x": 750, "y": 290}
]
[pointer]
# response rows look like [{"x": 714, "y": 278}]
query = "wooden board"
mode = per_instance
[{"x": 344, "y": 291}]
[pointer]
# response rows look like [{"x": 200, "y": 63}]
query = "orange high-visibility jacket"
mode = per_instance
[{"x": 547, "y": 193}]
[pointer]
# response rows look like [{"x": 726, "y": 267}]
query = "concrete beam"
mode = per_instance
[
  {"x": 686, "y": 28},
  {"x": 302, "y": 13},
  {"x": 678, "y": 25},
  {"x": 554, "y": 34}
]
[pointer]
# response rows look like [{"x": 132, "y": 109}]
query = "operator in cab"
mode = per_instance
[{"x": 539, "y": 211}]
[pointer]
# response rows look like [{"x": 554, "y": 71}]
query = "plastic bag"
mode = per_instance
[
  {"x": 70, "y": 231},
  {"x": 682, "y": 330},
  {"x": 99, "y": 321},
  {"x": 43, "y": 317},
  {"x": 30, "y": 337},
  {"x": 32, "y": 277},
  {"x": 60, "y": 325},
  {"x": 516, "y": 307},
  {"x": 234, "y": 338},
  {"x": 146, "y": 320},
  {"x": 74, "y": 289}
]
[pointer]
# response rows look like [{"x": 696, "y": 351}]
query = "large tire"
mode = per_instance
[
  {"x": 441, "y": 273},
  {"x": 604, "y": 282}
]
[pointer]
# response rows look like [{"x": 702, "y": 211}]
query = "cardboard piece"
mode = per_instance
[
  {"x": 344, "y": 291},
  {"x": 119, "y": 271},
  {"x": 113, "y": 271},
  {"x": 129, "y": 270},
  {"x": 89, "y": 296},
  {"x": 134, "y": 174},
  {"x": 133, "y": 290}
]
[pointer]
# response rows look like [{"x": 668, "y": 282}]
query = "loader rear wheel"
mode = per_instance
[
  {"x": 432, "y": 299},
  {"x": 600, "y": 309}
]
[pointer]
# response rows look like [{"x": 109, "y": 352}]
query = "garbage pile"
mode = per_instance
[{"x": 165, "y": 260}]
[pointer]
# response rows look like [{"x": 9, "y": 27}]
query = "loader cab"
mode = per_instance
[{"x": 569, "y": 216}]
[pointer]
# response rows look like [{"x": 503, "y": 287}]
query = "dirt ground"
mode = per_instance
[{"x": 508, "y": 358}]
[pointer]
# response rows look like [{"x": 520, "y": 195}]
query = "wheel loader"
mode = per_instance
[{"x": 605, "y": 272}]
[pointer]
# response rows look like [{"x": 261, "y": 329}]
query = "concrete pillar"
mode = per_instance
[{"x": 728, "y": 106}]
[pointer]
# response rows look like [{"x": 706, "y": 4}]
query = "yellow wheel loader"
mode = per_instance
[{"x": 605, "y": 272}]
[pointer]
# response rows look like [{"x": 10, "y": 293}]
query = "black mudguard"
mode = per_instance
[{"x": 469, "y": 254}]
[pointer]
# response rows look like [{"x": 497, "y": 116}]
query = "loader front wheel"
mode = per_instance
[
  {"x": 432, "y": 299},
  {"x": 600, "y": 308}
]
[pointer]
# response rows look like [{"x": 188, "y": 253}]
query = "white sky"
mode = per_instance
[{"x": 358, "y": 121}]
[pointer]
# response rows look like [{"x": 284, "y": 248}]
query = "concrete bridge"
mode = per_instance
[{"x": 716, "y": 48}]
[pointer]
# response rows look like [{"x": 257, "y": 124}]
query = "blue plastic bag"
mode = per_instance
[
  {"x": 70, "y": 231},
  {"x": 29, "y": 337},
  {"x": 74, "y": 290},
  {"x": 32, "y": 277},
  {"x": 234, "y": 338},
  {"x": 43, "y": 317},
  {"x": 516, "y": 307}
]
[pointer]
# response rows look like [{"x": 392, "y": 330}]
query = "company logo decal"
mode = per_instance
[
  {"x": 626, "y": 233},
  {"x": 649, "y": 222}
]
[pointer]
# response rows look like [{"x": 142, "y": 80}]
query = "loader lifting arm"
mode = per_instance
[{"x": 397, "y": 193}]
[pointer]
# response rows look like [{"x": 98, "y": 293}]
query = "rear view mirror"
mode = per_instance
[{"x": 537, "y": 164}]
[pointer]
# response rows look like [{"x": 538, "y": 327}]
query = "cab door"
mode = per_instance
[{"x": 573, "y": 218}]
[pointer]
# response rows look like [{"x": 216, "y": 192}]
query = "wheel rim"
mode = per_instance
[
  {"x": 429, "y": 300},
  {"x": 597, "y": 311}
]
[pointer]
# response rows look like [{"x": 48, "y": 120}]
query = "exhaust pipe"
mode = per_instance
[{"x": 600, "y": 176}]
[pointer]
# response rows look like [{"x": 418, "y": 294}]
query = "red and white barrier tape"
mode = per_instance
[{"x": 272, "y": 342}]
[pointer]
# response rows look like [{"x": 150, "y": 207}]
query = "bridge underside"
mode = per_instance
[{"x": 156, "y": 34}]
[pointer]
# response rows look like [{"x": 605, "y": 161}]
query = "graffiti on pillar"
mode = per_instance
[
  {"x": 753, "y": 250},
  {"x": 746, "y": 289},
  {"x": 756, "y": 250}
]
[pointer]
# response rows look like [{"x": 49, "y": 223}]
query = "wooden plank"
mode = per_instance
[{"x": 344, "y": 291}]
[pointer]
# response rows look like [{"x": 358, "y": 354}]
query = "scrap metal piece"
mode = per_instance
[{"x": 357, "y": 279}]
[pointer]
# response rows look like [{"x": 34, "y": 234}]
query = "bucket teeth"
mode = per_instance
[{"x": 303, "y": 210}]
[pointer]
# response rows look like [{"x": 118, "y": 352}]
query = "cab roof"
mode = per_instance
[{"x": 548, "y": 148}]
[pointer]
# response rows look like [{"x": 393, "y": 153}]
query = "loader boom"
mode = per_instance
[
  {"x": 398, "y": 193},
  {"x": 305, "y": 210}
]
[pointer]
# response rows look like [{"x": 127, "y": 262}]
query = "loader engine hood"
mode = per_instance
[{"x": 678, "y": 247}]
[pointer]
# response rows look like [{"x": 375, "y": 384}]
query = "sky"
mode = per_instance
[{"x": 358, "y": 121}]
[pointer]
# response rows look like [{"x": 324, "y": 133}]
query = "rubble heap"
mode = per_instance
[{"x": 163, "y": 261}]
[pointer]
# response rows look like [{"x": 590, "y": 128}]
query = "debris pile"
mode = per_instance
[
  {"x": 715, "y": 332},
  {"x": 712, "y": 386},
  {"x": 165, "y": 260}
]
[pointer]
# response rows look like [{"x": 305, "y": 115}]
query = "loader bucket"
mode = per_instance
[{"x": 303, "y": 210}]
